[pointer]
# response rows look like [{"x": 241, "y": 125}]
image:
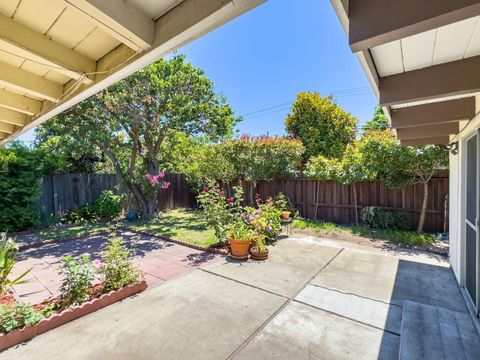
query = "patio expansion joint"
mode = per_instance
[{"x": 288, "y": 301}]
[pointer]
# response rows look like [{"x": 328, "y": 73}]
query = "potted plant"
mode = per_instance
[
  {"x": 259, "y": 250},
  {"x": 283, "y": 204},
  {"x": 240, "y": 235}
]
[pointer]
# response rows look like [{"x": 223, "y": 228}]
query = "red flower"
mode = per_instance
[
  {"x": 206, "y": 189},
  {"x": 230, "y": 200},
  {"x": 222, "y": 193}
]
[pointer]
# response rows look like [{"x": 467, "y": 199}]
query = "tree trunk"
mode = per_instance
[
  {"x": 354, "y": 187},
  {"x": 253, "y": 185},
  {"x": 421, "y": 222},
  {"x": 148, "y": 209}
]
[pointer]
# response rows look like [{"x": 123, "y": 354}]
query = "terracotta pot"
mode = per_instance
[
  {"x": 286, "y": 215},
  {"x": 239, "y": 248},
  {"x": 258, "y": 255}
]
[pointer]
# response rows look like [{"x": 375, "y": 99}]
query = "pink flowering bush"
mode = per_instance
[{"x": 219, "y": 210}]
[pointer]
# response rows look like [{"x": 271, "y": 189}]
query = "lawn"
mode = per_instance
[
  {"x": 70, "y": 232},
  {"x": 410, "y": 238},
  {"x": 182, "y": 225}
]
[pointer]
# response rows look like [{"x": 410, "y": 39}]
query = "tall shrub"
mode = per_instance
[{"x": 21, "y": 172}]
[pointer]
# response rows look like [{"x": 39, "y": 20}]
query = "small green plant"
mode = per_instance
[
  {"x": 283, "y": 203},
  {"x": 240, "y": 230},
  {"x": 117, "y": 267},
  {"x": 80, "y": 215},
  {"x": 108, "y": 204},
  {"x": 378, "y": 218},
  {"x": 78, "y": 276},
  {"x": 18, "y": 316},
  {"x": 8, "y": 257}
]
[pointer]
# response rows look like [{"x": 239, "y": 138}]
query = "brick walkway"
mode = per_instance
[{"x": 158, "y": 259}]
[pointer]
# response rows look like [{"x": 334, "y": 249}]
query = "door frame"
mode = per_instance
[{"x": 476, "y": 226}]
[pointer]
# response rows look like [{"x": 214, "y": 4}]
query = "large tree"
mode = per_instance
[
  {"x": 323, "y": 127},
  {"x": 379, "y": 120},
  {"x": 131, "y": 121}
]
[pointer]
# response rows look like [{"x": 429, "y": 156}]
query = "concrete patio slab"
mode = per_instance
[
  {"x": 371, "y": 312},
  {"x": 197, "y": 316},
  {"x": 304, "y": 332},
  {"x": 290, "y": 266},
  {"x": 392, "y": 280}
]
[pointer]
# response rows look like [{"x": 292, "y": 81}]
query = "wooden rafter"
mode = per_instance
[
  {"x": 19, "y": 103},
  {"x": 437, "y": 140},
  {"x": 419, "y": 132},
  {"x": 12, "y": 117}
]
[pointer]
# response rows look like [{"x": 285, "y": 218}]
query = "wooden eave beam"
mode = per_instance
[
  {"x": 437, "y": 140},
  {"x": 434, "y": 113},
  {"x": 26, "y": 43},
  {"x": 7, "y": 128},
  {"x": 377, "y": 22},
  {"x": 120, "y": 19},
  {"x": 12, "y": 117},
  {"x": 11, "y": 76},
  {"x": 19, "y": 103},
  {"x": 443, "y": 80},
  {"x": 419, "y": 132}
]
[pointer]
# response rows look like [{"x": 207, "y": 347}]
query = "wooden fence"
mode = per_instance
[
  {"x": 323, "y": 200},
  {"x": 331, "y": 201},
  {"x": 62, "y": 192}
]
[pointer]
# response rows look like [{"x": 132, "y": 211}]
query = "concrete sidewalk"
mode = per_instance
[{"x": 308, "y": 301}]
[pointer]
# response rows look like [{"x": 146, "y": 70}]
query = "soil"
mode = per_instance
[
  {"x": 7, "y": 299},
  {"x": 439, "y": 247}
]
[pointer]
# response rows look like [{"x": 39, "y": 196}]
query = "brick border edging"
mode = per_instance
[
  {"x": 29, "y": 332},
  {"x": 178, "y": 242}
]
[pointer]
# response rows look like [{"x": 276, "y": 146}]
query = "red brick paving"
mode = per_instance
[{"x": 159, "y": 260}]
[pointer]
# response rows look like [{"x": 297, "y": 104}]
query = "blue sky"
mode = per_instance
[{"x": 262, "y": 59}]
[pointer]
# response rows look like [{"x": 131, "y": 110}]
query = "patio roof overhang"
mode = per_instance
[
  {"x": 55, "y": 53},
  {"x": 422, "y": 59}
]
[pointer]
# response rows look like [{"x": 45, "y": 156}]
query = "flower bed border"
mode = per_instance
[
  {"x": 212, "y": 250},
  {"x": 29, "y": 332}
]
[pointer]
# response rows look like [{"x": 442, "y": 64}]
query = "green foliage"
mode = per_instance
[
  {"x": 8, "y": 257},
  {"x": 17, "y": 317},
  {"x": 249, "y": 158},
  {"x": 239, "y": 230},
  {"x": 264, "y": 221},
  {"x": 78, "y": 276},
  {"x": 80, "y": 215},
  {"x": 378, "y": 122},
  {"x": 378, "y": 218},
  {"x": 130, "y": 121},
  {"x": 220, "y": 210},
  {"x": 283, "y": 203},
  {"x": 21, "y": 171},
  {"x": 117, "y": 267},
  {"x": 323, "y": 127},
  {"x": 108, "y": 204}
]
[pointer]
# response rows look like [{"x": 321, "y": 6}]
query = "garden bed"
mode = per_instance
[{"x": 29, "y": 332}]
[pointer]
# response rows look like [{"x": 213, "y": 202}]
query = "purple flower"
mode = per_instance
[
  {"x": 165, "y": 185},
  {"x": 268, "y": 228},
  {"x": 98, "y": 264},
  {"x": 250, "y": 218},
  {"x": 257, "y": 211}
]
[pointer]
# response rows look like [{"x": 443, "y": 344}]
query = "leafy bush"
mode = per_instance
[
  {"x": 283, "y": 203},
  {"x": 8, "y": 256},
  {"x": 78, "y": 276},
  {"x": 117, "y": 266},
  {"x": 108, "y": 204},
  {"x": 378, "y": 218},
  {"x": 80, "y": 215},
  {"x": 264, "y": 221},
  {"x": 218, "y": 209},
  {"x": 21, "y": 172},
  {"x": 17, "y": 317}
]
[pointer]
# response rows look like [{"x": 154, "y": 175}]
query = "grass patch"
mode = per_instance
[
  {"x": 182, "y": 225},
  {"x": 70, "y": 232},
  {"x": 396, "y": 236}
]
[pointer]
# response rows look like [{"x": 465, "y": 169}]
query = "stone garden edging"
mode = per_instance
[{"x": 29, "y": 332}]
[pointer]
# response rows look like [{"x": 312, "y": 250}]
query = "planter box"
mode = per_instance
[{"x": 29, "y": 332}]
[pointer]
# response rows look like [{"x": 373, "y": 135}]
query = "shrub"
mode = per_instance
[
  {"x": 21, "y": 172},
  {"x": 220, "y": 210},
  {"x": 78, "y": 276},
  {"x": 283, "y": 203},
  {"x": 80, "y": 215},
  {"x": 18, "y": 316},
  {"x": 108, "y": 204},
  {"x": 8, "y": 257},
  {"x": 117, "y": 266},
  {"x": 378, "y": 218},
  {"x": 264, "y": 221}
]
